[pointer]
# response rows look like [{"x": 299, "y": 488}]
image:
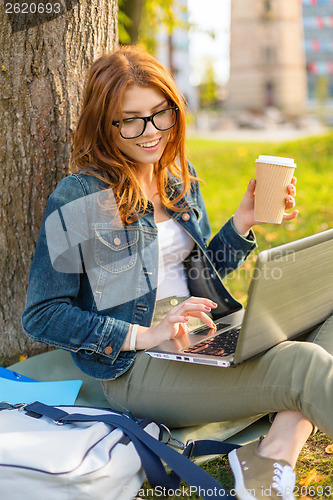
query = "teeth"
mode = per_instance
[{"x": 149, "y": 144}]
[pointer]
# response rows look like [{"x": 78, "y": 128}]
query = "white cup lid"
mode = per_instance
[{"x": 276, "y": 160}]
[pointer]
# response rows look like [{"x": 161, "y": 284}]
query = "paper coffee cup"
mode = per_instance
[{"x": 273, "y": 174}]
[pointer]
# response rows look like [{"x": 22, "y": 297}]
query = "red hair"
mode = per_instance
[{"x": 107, "y": 81}]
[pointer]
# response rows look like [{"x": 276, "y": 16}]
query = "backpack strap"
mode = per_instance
[{"x": 152, "y": 451}]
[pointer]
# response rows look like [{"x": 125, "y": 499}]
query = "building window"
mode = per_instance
[
  {"x": 269, "y": 94},
  {"x": 269, "y": 55}
]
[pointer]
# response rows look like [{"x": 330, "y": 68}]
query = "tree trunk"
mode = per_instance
[{"x": 42, "y": 74}]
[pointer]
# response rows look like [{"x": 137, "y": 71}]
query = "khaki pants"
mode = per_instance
[{"x": 293, "y": 375}]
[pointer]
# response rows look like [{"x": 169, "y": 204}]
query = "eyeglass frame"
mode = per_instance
[{"x": 147, "y": 119}]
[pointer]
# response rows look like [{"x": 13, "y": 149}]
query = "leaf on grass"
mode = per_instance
[
  {"x": 309, "y": 478},
  {"x": 329, "y": 448},
  {"x": 305, "y": 458},
  {"x": 312, "y": 477},
  {"x": 271, "y": 237},
  {"x": 306, "y": 498},
  {"x": 247, "y": 265},
  {"x": 241, "y": 296}
]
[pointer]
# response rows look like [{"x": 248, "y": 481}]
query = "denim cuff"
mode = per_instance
[
  {"x": 235, "y": 241},
  {"x": 113, "y": 336}
]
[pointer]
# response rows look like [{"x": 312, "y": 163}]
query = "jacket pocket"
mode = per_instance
[
  {"x": 116, "y": 249},
  {"x": 195, "y": 209}
]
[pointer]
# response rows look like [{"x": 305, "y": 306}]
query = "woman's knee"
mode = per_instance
[
  {"x": 300, "y": 351},
  {"x": 294, "y": 361},
  {"x": 305, "y": 363}
]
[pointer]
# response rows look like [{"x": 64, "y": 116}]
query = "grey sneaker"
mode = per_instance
[{"x": 261, "y": 478}]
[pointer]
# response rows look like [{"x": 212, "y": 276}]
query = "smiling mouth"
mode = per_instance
[{"x": 149, "y": 145}]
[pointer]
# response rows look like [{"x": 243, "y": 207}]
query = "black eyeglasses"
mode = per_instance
[{"x": 134, "y": 127}]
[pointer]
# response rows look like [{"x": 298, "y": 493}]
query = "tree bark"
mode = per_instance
[{"x": 42, "y": 74}]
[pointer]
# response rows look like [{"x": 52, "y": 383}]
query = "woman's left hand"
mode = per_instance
[{"x": 244, "y": 217}]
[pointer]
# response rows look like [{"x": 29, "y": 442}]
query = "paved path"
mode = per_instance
[{"x": 278, "y": 134}]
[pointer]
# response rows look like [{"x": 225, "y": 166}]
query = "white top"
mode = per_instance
[
  {"x": 277, "y": 160},
  {"x": 174, "y": 246}
]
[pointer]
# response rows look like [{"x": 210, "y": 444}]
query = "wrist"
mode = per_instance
[
  {"x": 144, "y": 338},
  {"x": 136, "y": 341},
  {"x": 239, "y": 226}
]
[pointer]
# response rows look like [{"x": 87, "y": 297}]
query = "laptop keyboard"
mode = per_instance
[{"x": 220, "y": 345}]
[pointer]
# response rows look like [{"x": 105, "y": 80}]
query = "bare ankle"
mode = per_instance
[
  {"x": 273, "y": 449},
  {"x": 286, "y": 437}
]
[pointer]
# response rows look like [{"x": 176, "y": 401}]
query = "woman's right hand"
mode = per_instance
[{"x": 174, "y": 323}]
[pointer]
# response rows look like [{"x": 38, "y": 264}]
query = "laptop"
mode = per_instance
[{"x": 291, "y": 292}]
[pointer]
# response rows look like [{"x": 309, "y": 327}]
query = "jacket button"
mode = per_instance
[
  {"x": 186, "y": 216},
  {"x": 174, "y": 302},
  {"x": 117, "y": 241},
  {"x": 108, "y": 349}
]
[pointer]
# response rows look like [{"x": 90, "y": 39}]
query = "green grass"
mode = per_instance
[{"x": 226, "y": 169}]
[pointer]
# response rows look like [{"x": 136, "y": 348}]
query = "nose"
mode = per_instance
[{"x": 150, "y": 128}]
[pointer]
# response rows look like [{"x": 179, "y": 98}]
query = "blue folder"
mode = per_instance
[
  {"x": 11, "y": 375},
  {"x": 16, "y": 388}
]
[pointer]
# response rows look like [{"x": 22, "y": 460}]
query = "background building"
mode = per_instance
[
  {"x": 318, "y": 42},
  {"x": 267, "y": 62}
]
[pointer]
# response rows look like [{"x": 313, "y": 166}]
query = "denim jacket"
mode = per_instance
[{"x": 92, "y": 276}]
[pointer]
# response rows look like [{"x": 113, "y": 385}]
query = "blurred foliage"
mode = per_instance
[
  {"x": 322, "y": 91},
  {"x": 208, "y": 89},
  {"x": 123, "y": 23},
  {"x": 153, "y": 14},
  {"x": 322, "y": 95}
]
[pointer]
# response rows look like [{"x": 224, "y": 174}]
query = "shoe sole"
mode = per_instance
[{"x": 240, "y": 488}]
